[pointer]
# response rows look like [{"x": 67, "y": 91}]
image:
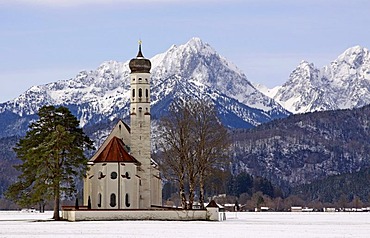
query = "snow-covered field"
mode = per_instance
[{"x": 18, "y": 224}]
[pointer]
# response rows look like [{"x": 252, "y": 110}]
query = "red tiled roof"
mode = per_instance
[{"x": 115, "y": 152}]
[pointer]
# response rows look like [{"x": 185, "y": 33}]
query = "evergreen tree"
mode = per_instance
[
  {"x": 53, "y": 159},
  {"x": 244, "y": 183}
]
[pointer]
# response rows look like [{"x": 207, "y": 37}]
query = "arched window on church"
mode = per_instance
[
  {"x": 113, "y": 200},
  {"x": 146, "y": 93},
  {"x": 133, "y": 93},
  {"x": 127, "y": 201},
  {"x": 140, "y": 92},
  {"x": 99, "y": 200}
]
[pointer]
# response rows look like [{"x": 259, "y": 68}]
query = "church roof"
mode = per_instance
[{"x": 115, "y": 151}]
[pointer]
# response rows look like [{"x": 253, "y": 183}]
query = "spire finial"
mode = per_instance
[{"x": 140, "y": 54}]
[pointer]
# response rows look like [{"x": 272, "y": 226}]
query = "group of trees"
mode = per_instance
[
  {"x": 334, "y": 188},
  {"x": 244, "y": 183},
  {"x": 52, "y": 155},
  {"x": 250, "y": 192},
  {"x": 193, "y": 143},
  {"x": 225, "y": 187},
  {"x": 247, "y": 202}
]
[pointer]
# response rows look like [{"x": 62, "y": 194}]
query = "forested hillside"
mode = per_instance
[
  {"x": 338, "y": 188},
  {"x": 305, "y": 147},
  {"x": 8, "y": 159}
]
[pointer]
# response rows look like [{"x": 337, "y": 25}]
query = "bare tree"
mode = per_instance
[
  {"x": 212, "y": 142},
  {"x": 193, "y": 142},
  {"x": 176, "y": 146}
]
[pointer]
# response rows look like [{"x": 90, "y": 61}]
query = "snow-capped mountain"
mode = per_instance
[
  {"x": 345, "y": 83},
  {"x": 194, "y": 69}
]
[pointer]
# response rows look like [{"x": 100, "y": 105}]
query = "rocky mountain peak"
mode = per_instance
[
  {"x": 344, "y": 83},
  {"x": 195, "y": 44},
  {"x": 303, "y": 72},
  {"x": 356, "y": 55},
  {"x": 197, "y": 62}
]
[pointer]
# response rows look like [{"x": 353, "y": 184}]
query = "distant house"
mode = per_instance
[
  {"x": 329, "y": 209},
  {"x": 296, "y": 209},
  {"x": 307, "y": 209},
  {"x": 265, "y": 209}
]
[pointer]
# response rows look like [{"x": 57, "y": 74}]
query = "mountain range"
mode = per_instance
[
  {"x": 342, "y": 84},
  {"x": 194, "y": 69},
  {"x": 286, "y": 151}
]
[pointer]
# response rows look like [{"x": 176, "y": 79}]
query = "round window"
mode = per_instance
[{"x": 113, "y": 175}]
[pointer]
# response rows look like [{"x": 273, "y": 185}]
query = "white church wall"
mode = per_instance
[
  {"x": 130, "y": 184},
  {"x": 171, "y": 215},
  {"x": 101, "y": 183},
  {"x": 156, "y": 188},
  {"x": 111, "y": 195}
]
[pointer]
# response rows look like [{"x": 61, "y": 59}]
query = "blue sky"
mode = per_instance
[{"x": 43, "y": 41}]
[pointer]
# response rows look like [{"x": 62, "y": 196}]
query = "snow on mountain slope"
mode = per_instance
[
  {"x": 269, "y": 92},
  {"x": 345, "y": 83},
  {"x": 194, "y": 69}
]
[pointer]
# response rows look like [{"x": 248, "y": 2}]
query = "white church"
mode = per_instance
[
  {"x": 123, "y": 181},
  {"x": 122, "y": 174}
]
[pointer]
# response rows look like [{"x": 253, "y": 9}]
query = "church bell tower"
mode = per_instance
[{"x": 140, "y": 124}]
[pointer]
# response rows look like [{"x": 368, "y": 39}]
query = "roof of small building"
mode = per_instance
[
  {"x": 212, "y": 204},
  {"x": 115, "y": 151}
]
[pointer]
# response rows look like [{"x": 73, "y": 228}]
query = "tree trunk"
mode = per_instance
[
  {"x": 56, "y": 203},
  {"x": 191, "y": 193},
  {"x": 182, "y": 194},
  {"x": 201, "y": 191}
]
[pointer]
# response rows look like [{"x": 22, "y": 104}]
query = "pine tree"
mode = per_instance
[{"x": 53, "y": 159}]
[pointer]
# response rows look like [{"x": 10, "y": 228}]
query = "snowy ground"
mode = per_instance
[{"x": 301, "y": 225}]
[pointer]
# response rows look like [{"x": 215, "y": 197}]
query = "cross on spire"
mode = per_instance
[{"x": 140, "y": 54}]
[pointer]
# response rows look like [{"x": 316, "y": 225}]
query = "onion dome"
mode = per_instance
[{"x": 140, "y": 64}]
